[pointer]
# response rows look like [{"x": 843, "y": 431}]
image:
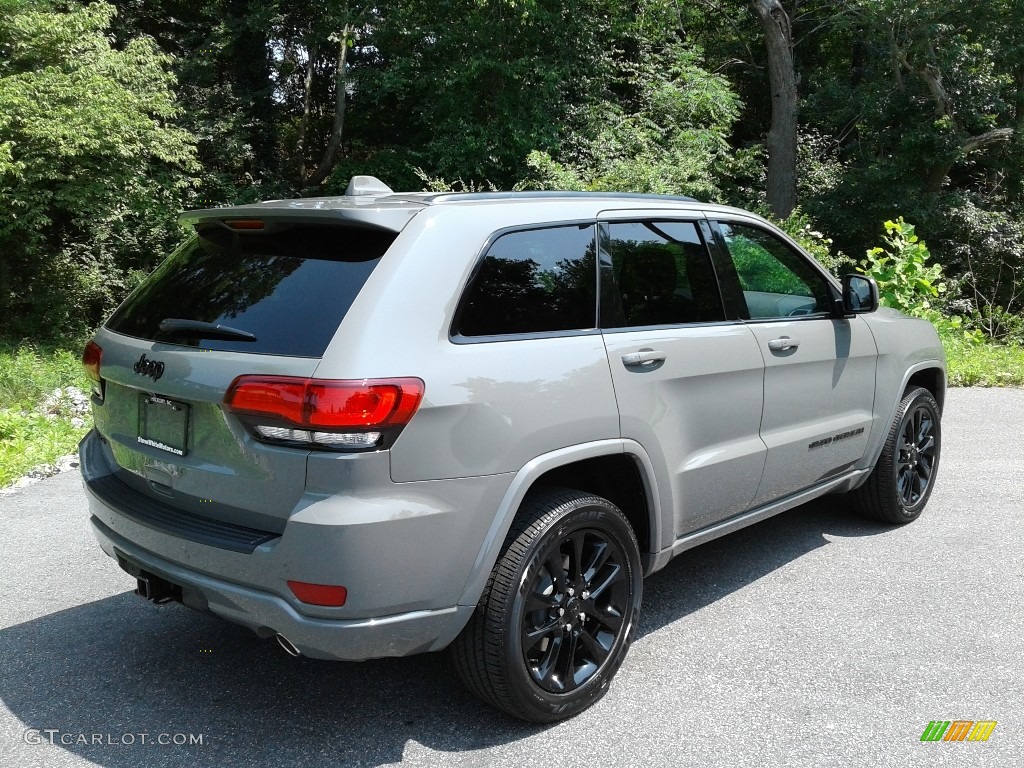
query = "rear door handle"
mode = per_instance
[
  {"x": 643, "y": 358},
  {"x": 783, "y": 344}
]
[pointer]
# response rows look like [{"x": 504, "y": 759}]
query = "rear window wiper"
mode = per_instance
[{"x": 199, "y": 329}]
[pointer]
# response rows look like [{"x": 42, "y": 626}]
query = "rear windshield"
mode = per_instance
[{"x": 290, "y": 289}]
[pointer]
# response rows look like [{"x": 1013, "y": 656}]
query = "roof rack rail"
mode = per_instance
[{"x": 443, "y": 197}]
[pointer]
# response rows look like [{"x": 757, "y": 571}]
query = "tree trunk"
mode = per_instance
[
  {"x": 330, "y": 155},
  {"x": 782, "y": 136},
  {"x": 307, "y": 101}
]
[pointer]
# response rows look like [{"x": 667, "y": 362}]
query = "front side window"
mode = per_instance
[
  {"x": 533, "y": 281},
  {"x": 776, "y": 280},
  {"x": 663, "y": 276}
]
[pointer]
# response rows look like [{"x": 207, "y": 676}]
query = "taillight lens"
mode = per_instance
[
  {"x": 91, "y": 358},
  {"x": 332, "y": 413}
]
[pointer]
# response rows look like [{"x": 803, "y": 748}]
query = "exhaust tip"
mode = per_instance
[{"x": 288, "y": 645}]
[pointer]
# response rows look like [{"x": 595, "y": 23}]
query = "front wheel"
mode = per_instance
[
  {"x": 902, "y": 480},
  {"x": 558, "y": 612}
]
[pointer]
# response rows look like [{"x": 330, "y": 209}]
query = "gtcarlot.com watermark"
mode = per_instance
[{"x": 68, "y": 738}]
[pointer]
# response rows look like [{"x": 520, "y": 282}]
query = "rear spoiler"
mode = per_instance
[{"x": 371, "y": 213}]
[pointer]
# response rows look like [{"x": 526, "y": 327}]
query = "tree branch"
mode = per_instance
[
  {"x": 937, "y": 175},
  {"x": 995, "y": 136}
]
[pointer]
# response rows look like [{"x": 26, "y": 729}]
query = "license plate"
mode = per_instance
[{"x": 163, "y": 424}]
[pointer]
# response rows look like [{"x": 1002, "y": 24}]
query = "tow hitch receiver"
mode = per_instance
[
  {"x": 156, "y": 589},
  {"x": 148, "y": 585}
]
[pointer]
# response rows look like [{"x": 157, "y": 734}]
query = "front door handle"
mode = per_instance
[
  {"x": 783, "y": 345},
  {"x": 644, "y": 358}
]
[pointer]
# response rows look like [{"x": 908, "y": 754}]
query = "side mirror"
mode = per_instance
[{"x": 860, "y": 294}]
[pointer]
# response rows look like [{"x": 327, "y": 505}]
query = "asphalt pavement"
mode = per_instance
[{"x": 815, "y": 638}]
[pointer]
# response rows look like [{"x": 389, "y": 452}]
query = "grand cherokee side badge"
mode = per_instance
[{"x": 152, "y": 368}]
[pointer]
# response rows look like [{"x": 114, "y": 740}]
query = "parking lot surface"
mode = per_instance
[{"x": 815, "y": 638}]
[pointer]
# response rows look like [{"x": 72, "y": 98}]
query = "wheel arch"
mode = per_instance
[
  {"x": 930, "y": 375},
  {"x": 931, "y": 378},
  {"x": 618, "y": 470}
]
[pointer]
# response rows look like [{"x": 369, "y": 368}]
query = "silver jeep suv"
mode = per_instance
[{"x": 386, "y": 423}]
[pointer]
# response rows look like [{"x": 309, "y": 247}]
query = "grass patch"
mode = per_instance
[
  {"x": 29, "y": 437},
  {"x": 972, "y": 364}
]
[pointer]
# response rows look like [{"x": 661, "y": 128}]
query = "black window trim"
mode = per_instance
[{"x": 457, "y": 338}]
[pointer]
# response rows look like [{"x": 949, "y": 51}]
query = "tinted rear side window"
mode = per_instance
[
  {"x": 663, "y": 273},
  {"x": 289, "y": 288},
  {"x": 534, "y": 281}
]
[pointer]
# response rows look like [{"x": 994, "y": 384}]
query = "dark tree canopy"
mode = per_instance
[{"x": 113, "y": 116}]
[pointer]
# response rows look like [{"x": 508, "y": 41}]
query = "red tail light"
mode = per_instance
[
  {"x": 91, "y": 360},
  {"x": 326, "y": 404}
]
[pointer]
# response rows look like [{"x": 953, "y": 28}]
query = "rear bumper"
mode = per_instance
[
  {"x": 268, "y": 615},
  {"x": 404, "y": 552}
]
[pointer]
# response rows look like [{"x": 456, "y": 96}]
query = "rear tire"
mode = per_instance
[
  {"x": 899, "y": 486},
  {"x": 559, "y": 610}
]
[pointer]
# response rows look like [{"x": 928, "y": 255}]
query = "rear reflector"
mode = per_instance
[
  {"x": 326, "y": 404},
  {"x": 318, "y": 594}
]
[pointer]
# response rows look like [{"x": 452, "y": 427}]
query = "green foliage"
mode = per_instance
[
  {"x": 468, "y": 89},
  {"x": 669, "y": 137},
  {"x": 906, "y": 281},
  {"x": 28, "y": 374},
  {"x": 799, "y": 226},
  {"x": 92, "y": 172},
  {"x": 30, "y": 437},
  {"x": 434, "y": 184},
  {"x": 760, "y": 271},
  {"x": 986, "y": 247},
  {"x": 30, "y": 440},
  {"x": 988, "y": 364}
]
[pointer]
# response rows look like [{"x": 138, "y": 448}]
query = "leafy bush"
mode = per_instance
[
  {"x": 31, "y": 440},
  {"x": 906, "y": 281},
  {"x": 28, "y": 374},
  {"x": 986, "y": 248}
]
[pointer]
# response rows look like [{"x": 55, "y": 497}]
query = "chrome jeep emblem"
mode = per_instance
[{"x": 152, "y": 368}]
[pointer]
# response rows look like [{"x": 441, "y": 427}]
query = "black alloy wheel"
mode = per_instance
[
  {"x": 559, "y": 610},
  {"x": 904, "y": 475},
  {"x": 916, "y": 455},
  {"x": 576, "y": 607}
]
